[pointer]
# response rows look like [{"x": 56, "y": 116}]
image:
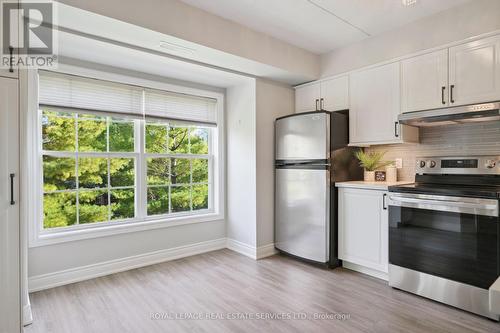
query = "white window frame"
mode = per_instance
[{"x": 38, "y": 236}]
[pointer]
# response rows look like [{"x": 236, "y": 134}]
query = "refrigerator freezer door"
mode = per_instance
[
  {"x": 303, "y": 137},
  {"x": 302, "y": 213}
]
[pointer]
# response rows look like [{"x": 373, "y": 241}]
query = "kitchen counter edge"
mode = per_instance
[{"x": 370, "y": 185}]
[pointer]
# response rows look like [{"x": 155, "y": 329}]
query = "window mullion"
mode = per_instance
[
  {"x": 77, "y": 162},
  {"x": 108, "y": 119},
  {"x": 141, "y": 171}
]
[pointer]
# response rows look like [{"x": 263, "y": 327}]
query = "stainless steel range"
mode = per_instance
[{"x": 444, "y": 233}]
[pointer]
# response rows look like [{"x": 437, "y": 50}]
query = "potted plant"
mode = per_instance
[{"x": 371, "y": 161}]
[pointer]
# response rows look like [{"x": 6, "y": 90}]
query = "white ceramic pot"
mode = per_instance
[{"x": 369, "y": 176}]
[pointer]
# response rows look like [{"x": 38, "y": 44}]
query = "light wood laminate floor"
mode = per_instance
[{"x": 224, "y": 283}]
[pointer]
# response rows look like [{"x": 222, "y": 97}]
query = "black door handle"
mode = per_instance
[
  {"x": 451, "y": 93},
  {"x": 396, "y": 134},
  {"x": 12, "y": 202},
  {"x": 442, "y": 95},
  {"x": 11, "y": 59},
  {"x": 383, "y": 202}
]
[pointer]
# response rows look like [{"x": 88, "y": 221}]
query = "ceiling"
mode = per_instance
[
  {"x": 84, "y": 35},
  {"x": 321, "y": 26},
  {"x": 79, "y": 48}
]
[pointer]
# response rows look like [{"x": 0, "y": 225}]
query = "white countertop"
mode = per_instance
[{"x": 370, "y": 185}]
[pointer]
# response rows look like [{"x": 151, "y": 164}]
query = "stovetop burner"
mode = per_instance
[
  {"x": 463, "y": 177},
  {"x": 489, "y": 192}
]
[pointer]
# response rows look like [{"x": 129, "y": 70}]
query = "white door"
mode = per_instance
[
  {"x": 307, "y": 98},
  {"x": 424, "y": 82},
  {"x": 335, "y": 94},
  {"x": 363, "y": 228},
  {"x": 375, "y": 105},
  {"x": 10, "y": 314},
  {"x": 475, "y": 72}
]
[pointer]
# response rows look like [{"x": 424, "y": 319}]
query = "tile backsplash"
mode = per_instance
[{"x": 453, "y": 140}]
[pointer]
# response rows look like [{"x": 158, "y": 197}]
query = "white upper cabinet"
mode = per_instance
[
  {"x": 330, "y": 95},
  {"x": 424, "y": 82},
  {"x": 475, "y": 72},
  {"x": 335, "y": 94},
  {"x": 375, "y": 106},
  {"x": 464, "y": 74},
  {"x": 307, "y": 98}
]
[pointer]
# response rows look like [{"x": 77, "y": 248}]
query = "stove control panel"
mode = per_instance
[{"x": 459, "y": 165}]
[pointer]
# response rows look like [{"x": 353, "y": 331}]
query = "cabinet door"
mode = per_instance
[
  {"x": 335, "y": 94},
  {"x": 363, "y": 228},
  {"x": 424, "y": 82},
  {"x": 475, "y": 72},
  {"x": 306, "y": 98},
  {"x": 9, "y": 208},
  {"x": 13, "y": 37},
  {"x": 375, "y": 105}
]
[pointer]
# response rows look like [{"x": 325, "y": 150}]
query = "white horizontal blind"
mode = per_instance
[
  {"x": 76, "y": 92},
  {"x": 80, "y": 93},
  {"x": 181, "y": 107}
]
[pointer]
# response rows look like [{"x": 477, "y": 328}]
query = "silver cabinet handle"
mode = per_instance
[
  {"x": 317, "y": 100},
  {"x": 321, "y": 104}
]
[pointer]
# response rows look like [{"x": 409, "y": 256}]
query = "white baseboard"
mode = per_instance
[
  {"x": 241, "y": 248},
  {"x": 365, "y": 270},
  {"x": 251, "y": 251},
  {"x": 60, "y": 278},
  {"x": 266, "y": 251},
  {"x": 51, "y": 280}
]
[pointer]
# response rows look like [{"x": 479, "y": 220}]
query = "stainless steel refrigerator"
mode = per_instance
[{"x": 311, "y": 154}]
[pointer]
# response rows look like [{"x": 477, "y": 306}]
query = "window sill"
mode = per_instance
[{"x": 111, "y": 229}]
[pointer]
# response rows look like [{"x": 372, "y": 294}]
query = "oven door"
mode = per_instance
[{"x": 451, "y": 237}]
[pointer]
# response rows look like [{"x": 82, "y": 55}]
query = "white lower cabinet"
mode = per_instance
[{"x": 363, "y": 230}]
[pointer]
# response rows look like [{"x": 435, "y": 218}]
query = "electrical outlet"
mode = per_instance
[{"x": 399, "y": 163}]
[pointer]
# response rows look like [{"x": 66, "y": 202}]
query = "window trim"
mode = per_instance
[{"x": 41, "y": 237}]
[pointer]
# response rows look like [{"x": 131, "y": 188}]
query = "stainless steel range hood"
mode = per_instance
[{"x": 452, "y": 115}]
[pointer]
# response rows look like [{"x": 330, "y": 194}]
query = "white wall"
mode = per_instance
[
  {"x": 241, "y": 163},
  {"x": 175, "y": 18},
  {"x": 273, "y": 100},
  {"x": 472, "y": 19},
  {"x": 251, "y": 111},
  {"x": 63, "y": 256}
]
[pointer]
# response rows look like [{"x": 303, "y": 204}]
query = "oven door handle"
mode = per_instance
[{"x": 486, "y": 208}]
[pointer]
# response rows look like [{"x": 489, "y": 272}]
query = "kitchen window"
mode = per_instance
[{"x": 115, "y": 154}]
